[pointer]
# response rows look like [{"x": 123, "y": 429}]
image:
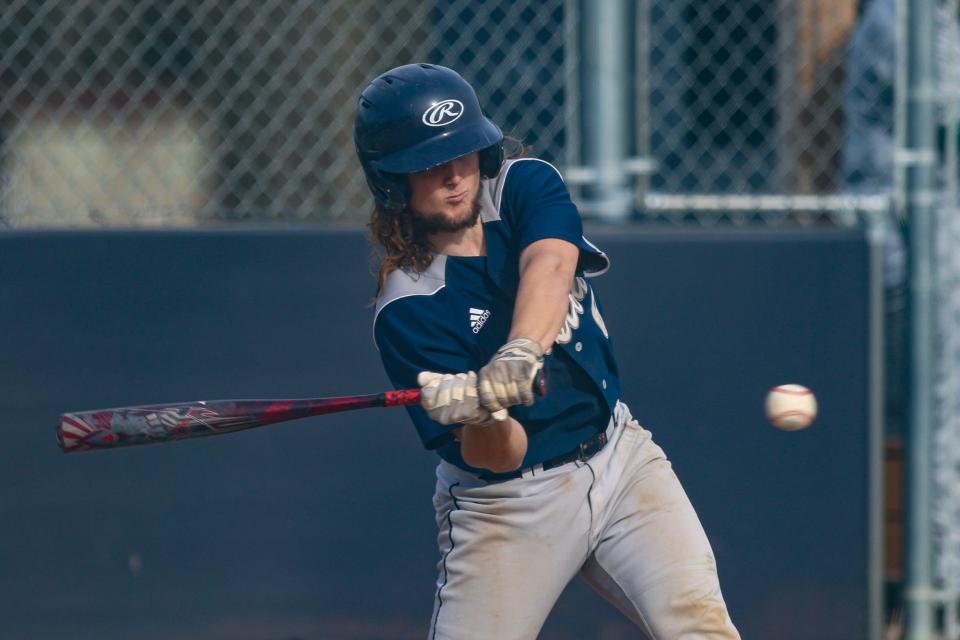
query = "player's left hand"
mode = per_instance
[
  {"x": 452, "y": 398},
  {"x": 509, "y": 376}
]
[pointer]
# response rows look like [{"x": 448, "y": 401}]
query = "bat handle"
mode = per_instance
[{"x": 403, "y": 397}]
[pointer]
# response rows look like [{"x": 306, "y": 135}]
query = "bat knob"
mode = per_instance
[{"x": 540, "y": 383}]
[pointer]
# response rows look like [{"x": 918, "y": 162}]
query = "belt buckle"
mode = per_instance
[
  {"x": 590, "y": 447},
  {"x": 593, "y": 446},
  {"x": 582, "y": 454}
]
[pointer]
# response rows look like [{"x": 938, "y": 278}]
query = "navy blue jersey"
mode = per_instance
[{"x": 455, "y": 315}]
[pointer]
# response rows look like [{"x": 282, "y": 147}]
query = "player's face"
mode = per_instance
[{"x": 445, "y": 197}]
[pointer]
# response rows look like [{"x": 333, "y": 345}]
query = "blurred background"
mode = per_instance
[
  {"x": 182, "y": 213},
  {"x": 130, "y": 112}
]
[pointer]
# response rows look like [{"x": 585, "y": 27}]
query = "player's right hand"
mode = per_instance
[
  {"x": 452, "y": 398},
  {"x": 508, "y": 379}
]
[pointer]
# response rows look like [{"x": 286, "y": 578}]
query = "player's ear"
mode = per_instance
[{"x": 491, "y": 159}]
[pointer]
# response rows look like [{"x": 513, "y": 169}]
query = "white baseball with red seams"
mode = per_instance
[{"x": 791, "y": 407}]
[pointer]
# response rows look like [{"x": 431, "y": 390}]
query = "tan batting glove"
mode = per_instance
[
  {"x": 508, "y": 377},
  {"x": 452, "y": 398}
]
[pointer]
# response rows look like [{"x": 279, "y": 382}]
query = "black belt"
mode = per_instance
[{"x": 586, "y": 450}]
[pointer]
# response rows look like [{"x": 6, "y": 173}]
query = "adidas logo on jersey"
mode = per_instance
[{"x": 478, "y": 317}]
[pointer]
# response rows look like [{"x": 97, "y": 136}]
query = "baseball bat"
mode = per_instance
[{"x": 151, "y": 424}]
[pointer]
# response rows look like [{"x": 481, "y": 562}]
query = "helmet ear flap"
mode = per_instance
[
  {"x": 491, "y": 159},
  {"x": 390, "y": 190}
]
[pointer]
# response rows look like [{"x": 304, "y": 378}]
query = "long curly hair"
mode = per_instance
[{"x": 402, "y": 244}]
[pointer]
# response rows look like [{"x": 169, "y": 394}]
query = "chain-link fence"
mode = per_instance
[
  {"x": 139, "y": 112},
  {"x": 176, "y": 112},
  {"x": 750, "y": 105}
]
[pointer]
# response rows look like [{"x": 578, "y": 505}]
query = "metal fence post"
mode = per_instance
[
  {"x": 606, "y": 55},
  {"x": 917, "y": 161}
]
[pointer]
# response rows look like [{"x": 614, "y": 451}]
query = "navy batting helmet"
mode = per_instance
[{"x": 416, "y": 117}]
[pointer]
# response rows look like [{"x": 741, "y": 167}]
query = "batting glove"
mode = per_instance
[
  {"x": 508, "y": 377},
  {"x": 452, "y": 398}
]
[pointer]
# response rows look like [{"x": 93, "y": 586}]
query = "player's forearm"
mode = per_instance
[
  {"x": 547, "y": 269},
  {"x": 499, "y": 447}
]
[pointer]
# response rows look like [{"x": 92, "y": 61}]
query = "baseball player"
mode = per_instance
[{"x": 483, "y": 286}]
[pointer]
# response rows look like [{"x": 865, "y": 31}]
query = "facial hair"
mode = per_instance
[{"x": 427, "y": 224}]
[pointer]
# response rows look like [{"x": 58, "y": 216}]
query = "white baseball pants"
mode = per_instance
[{"x": 621, "y": 520}]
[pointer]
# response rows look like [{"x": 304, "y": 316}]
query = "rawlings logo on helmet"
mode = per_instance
[{"x": 443, "y": 113}]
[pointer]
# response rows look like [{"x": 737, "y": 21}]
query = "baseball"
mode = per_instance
[{"x": 791, "y": 407}]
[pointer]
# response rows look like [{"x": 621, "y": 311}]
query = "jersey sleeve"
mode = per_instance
[
  {"x": 537, "y": 205},
  {"x": 408, "y": 347}
]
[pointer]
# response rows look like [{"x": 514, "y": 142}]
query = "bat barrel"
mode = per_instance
[
  {"x": 86, "y": 431},
  {"x": 128, "y": 426},
  {"x": 71, "y": 433}
]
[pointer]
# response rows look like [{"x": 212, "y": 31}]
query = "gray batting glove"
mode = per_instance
[
  {"x": 452, "y": 398},
  {"x": 508, "y": 377}
]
